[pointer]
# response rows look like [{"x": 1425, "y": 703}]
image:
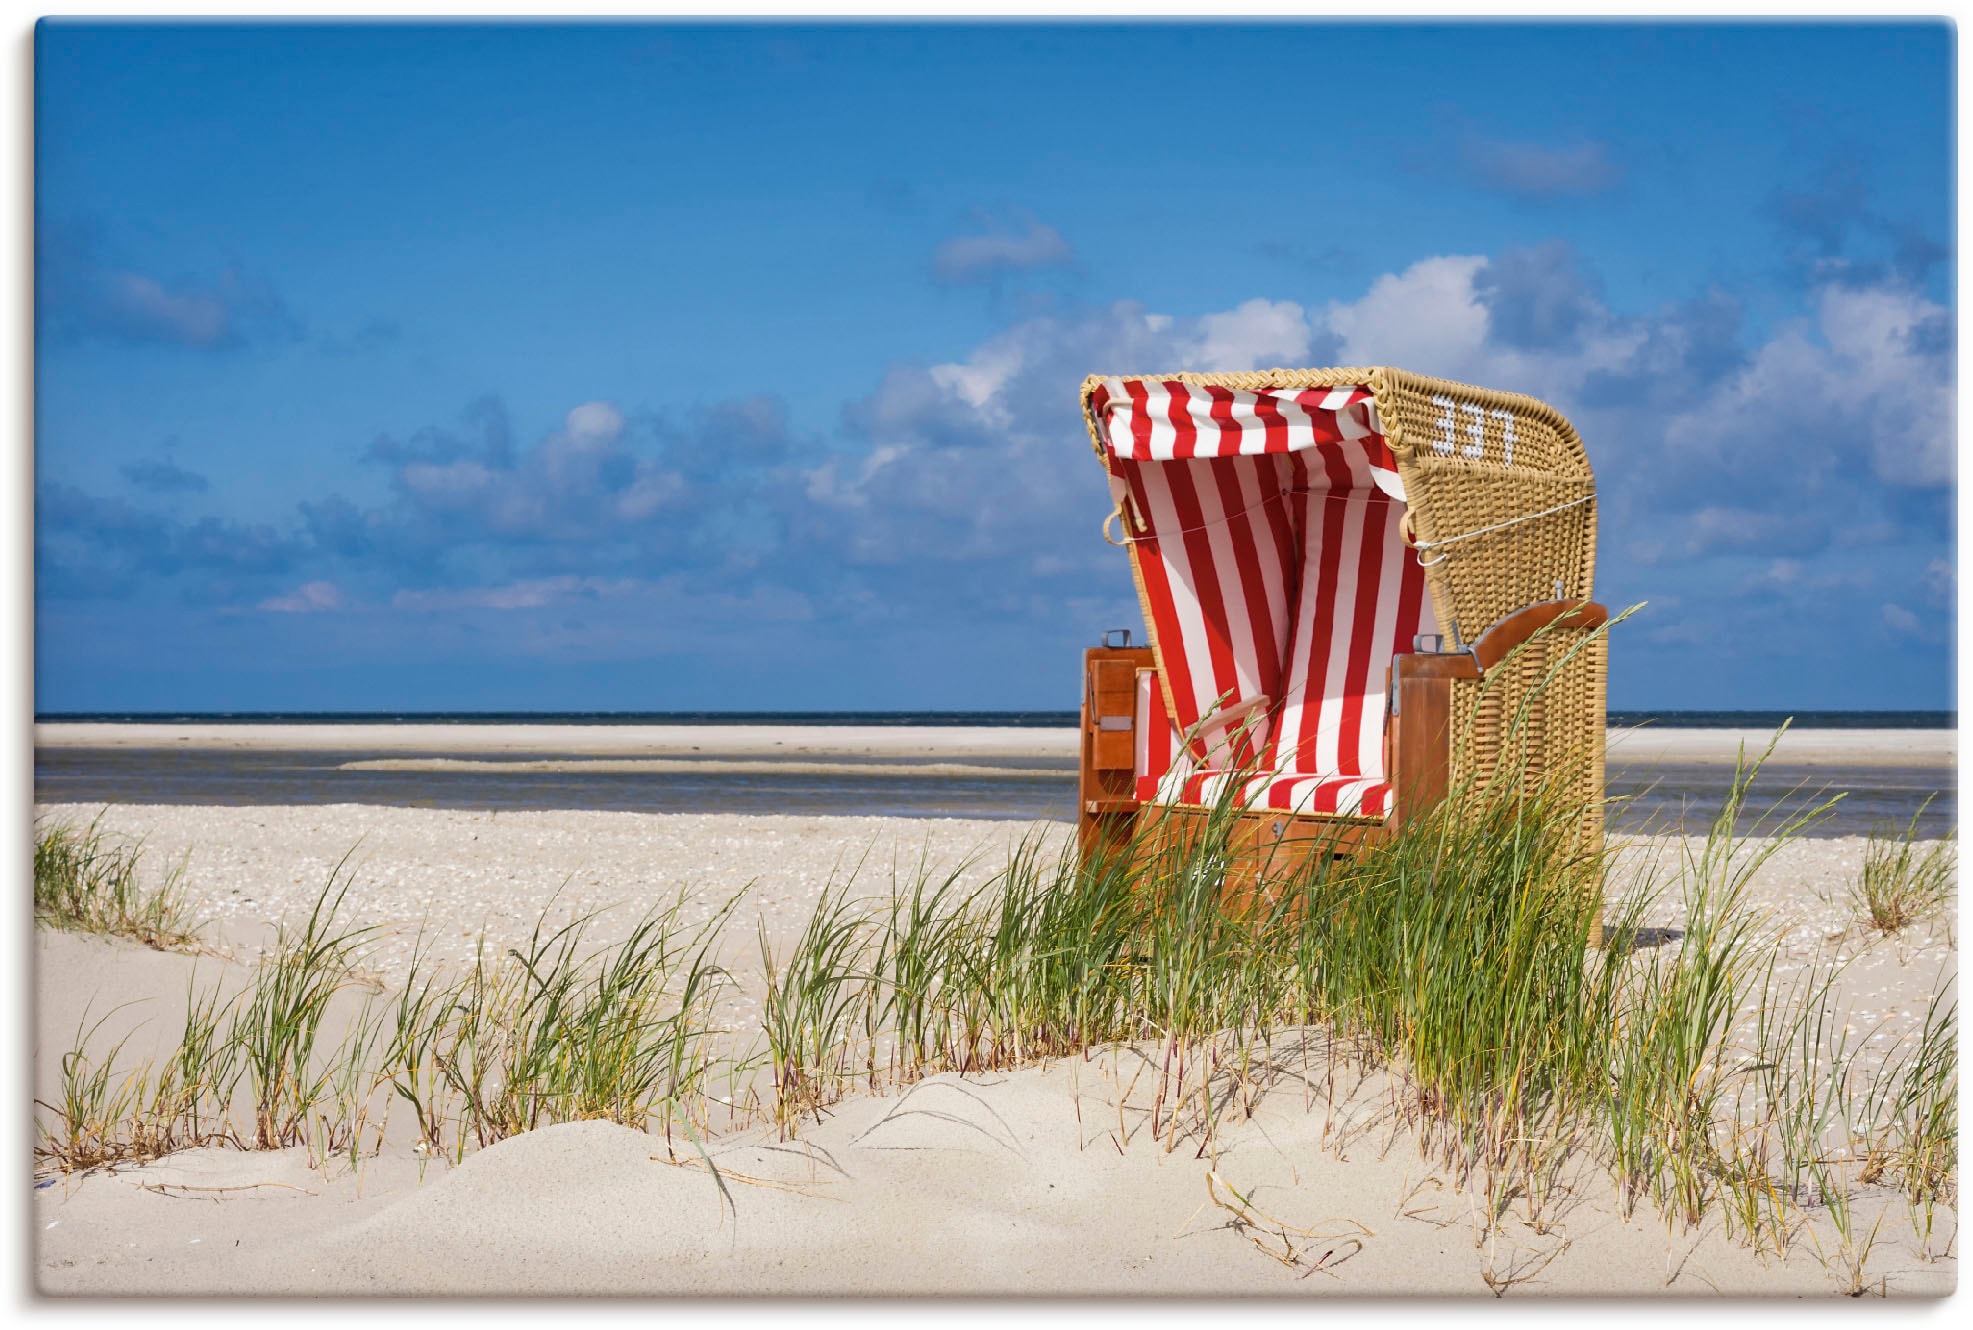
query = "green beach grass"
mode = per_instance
[
  {"x": 85, "y": 882},
  {"x": 1902, "y": 883}
]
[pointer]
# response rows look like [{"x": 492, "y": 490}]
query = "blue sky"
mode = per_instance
[{"x": 733, "y": 367}]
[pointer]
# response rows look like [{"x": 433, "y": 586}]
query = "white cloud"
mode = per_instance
[
  {"x": 450, "y": 485},
  {"x": 1259, "y": 334},
  {"x": 1434, "y": 318},
  {"x": 1729, "y": 472},
  {"x": 1786, "y": 575},
  {"x": 1537, "y": 171},
  {"x": 1855, "y": 379},
  {"x": 528, "y": 594},
  {"x": 308, "y": 598},
  {"x": 977, "y": 381},
  {"x": 1901, "y": 620},
  {"x": 1684, "y": 632},
  {"x": 594, "y": 420},
  {"x": 970, "y": 482},
  {"x": 1427, "y": 318},
  {"x": 1000, "y": 249},
  {"x": 592, "y": 476},
  {"x": 1875, "y": 337},
  {"x": 1939, "y": 581},
  {"x": 1717, "y": 527},
  {"x": 965, "y": 461},
  {"x": 649, "y": 492},
  {"x": 196, "y": 319}
]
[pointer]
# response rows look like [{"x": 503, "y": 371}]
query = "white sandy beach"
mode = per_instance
[
  {"x": 926, "y": 742},
  {"x": 1041, "y": 1180}
]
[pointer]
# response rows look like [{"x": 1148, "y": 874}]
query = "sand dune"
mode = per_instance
[
  {"x": 1043, "y": 1180},
  {"x": 1010, "y": 1184}
]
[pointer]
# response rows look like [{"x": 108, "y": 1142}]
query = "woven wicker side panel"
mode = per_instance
[
  {"x": 1480, "y": 580},
  {"x": 1501, "y": 495},
  {"x": 1516, "y": 726}
]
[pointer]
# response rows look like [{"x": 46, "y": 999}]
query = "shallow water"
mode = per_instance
[
  {"x": 1673, "y": 796},
  {"x": 1656, "y": 798}
]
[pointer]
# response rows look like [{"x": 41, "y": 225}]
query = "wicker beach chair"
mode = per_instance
[{"x": 1336, "y": 568}]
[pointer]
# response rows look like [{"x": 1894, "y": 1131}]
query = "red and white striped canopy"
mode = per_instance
[
  {"x": 1276, "y": 583},
  {"x": 1167, "y": 422}
]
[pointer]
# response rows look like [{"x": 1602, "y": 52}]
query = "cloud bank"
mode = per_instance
[
  {"x": 81, "y": 295},
  {"x": 1787, "y": 492},
  {"x": 1000, "y": 249}
]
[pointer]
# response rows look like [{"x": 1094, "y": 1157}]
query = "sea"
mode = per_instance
[{"x": 1658, "y": 797}]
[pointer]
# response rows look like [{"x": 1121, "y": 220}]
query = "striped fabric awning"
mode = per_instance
[{"x": 1266, "y": 533}]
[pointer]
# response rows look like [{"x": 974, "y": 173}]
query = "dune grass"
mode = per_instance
[
  {"x": 1674, "y": 1065},
  {"x": 1904, "y": 880},
  {"x": 557, "y": 1032},
  {"x": 560, "y": 1033},
  {"x": 1911, "y": 1117},
  {"x": 103, "y": 1115},
  {"x": 278, "y": 1026},
  {"x": 86, "y": 882},
  {"x": 95, "y": 1116}
]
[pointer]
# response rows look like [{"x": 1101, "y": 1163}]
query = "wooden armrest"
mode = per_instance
[
  {"x": 1509, "y": 632},
  {"x": 1435, "y": 665}
]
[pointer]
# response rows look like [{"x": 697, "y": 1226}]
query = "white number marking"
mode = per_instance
[
  {"x": 1447, "y": 424},
  {"x": 1476, "y": 430},
  {"x": 1506, "y": 419}
]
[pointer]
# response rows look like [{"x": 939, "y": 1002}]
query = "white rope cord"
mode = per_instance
[{"x": 1423, "y": 545}]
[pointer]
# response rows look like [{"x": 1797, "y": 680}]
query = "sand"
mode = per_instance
[
  {"x": 988, "y": 1185},
  {"x": 1916, "y": 748},
  {"x": 906, "y": 741},
  {"x": 1039, "y": 1181},
  {"x": 1936, "y": 749}
]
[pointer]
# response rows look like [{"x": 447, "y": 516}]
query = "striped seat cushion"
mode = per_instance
[
  {"x": 1290, "y": 792},
  {"x": 1276, "y": 585}
]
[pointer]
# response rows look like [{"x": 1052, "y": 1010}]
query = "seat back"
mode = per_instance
[
  {"x": 1214, "y": 562},
  {"x": 1361, "y": 599},
  {"x": 1265, "y": 533}
]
